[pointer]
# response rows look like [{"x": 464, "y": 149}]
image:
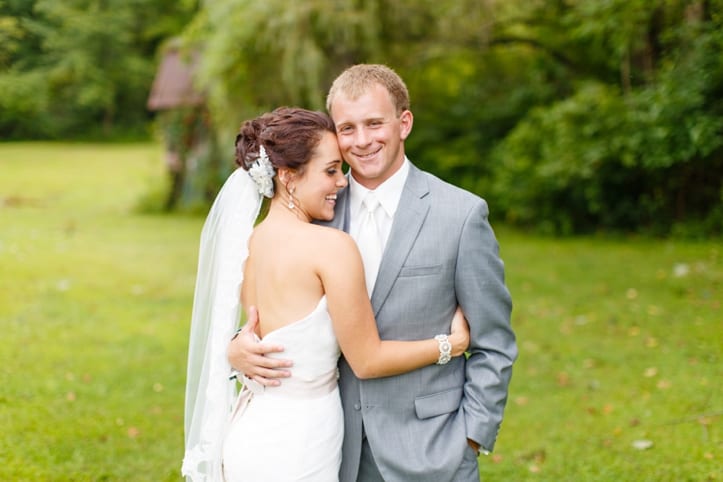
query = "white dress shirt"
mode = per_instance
[{"x": 388, "y": 193}]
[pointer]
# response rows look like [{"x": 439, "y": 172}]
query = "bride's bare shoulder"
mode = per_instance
[{"x": 332, "y": 238}]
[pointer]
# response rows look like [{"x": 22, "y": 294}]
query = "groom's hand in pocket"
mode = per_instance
[{"x": 247, "y": 355}]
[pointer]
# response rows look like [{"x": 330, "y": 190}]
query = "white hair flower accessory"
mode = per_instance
[{"x": 262, "y": 172}]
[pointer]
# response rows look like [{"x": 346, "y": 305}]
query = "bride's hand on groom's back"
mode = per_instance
[
  {"x": 459, "y": 333},
  {"x": 247, "y": 355}
]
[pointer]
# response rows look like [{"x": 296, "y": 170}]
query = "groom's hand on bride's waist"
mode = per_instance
[{"x": 247, "y": 355}]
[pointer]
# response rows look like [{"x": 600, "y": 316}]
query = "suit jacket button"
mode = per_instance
[{"x": 357, "y": 406}]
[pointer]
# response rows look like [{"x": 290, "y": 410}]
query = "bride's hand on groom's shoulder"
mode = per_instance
[{"x": 247, "y": 355}]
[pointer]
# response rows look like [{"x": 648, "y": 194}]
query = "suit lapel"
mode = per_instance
[{"x": 411, "y": 213}]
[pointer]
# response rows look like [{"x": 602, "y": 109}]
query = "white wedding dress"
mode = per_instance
[{"x": 292, "y": 432}]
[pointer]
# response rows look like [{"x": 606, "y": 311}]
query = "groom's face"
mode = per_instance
[{"x": 370, "y": 134}]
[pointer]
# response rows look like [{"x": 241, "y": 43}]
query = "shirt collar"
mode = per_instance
[{"x": 388, "y": 193}]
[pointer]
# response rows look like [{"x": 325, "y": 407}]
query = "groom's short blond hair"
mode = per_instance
[{"x": 357, "y": 79}]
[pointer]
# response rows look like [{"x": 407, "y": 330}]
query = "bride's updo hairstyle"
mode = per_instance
[{"x": 289, "y": 136}]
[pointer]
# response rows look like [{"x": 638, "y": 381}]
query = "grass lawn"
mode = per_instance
[
  {"x": 619, "y": 371},
  {"x": 620, "y": 340}
]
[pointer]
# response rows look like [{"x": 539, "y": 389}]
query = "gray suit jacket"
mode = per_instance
[{"x": 441, "y": 253}]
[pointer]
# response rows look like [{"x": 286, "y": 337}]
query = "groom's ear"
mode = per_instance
[{"x": 406, "y": 120}]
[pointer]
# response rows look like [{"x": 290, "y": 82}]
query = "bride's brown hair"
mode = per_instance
[{"x": 289, "y": 135}]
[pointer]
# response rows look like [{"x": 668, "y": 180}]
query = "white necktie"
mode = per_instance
[{"x": 370, "y": 240}]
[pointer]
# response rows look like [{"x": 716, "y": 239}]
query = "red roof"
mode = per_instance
[{"x": 173, "y": 85}]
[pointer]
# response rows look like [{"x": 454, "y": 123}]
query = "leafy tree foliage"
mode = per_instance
[
  {"x": 259, "y": 55},
  {"x": 80, "y": 67},
  {"x": 644, "y": 153},
  {"x": 568, "y": 115},
  {"x": 572, "y": 115}
]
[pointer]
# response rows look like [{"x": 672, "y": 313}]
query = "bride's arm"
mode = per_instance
[{"x": 342, "y": 275}]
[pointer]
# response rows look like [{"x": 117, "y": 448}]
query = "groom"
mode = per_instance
[{"x": 439, "y": 252}]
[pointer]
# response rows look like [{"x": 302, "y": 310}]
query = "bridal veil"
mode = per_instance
[{"x": 216, "y": 314}]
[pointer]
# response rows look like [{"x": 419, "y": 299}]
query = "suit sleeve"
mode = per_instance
[{"x": 487, "y": 305}]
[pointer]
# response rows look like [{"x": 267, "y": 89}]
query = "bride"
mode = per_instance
[{"x": 308, "y": 283}]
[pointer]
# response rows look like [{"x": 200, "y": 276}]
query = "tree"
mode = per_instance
[
  {"x": 79, "y": 67},
  {"x": 567, "y": 113},
  {"x": 641, "y": 150}
]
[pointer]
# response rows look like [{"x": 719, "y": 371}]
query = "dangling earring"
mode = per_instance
[{"x": 291, "y": 198}]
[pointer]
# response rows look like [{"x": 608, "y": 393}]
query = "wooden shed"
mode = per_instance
[{"x": 173, "y": 85}]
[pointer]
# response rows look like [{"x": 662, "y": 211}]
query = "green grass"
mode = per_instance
[
  {"x": 620, "y": 340},
  {"x": 94, "y": 309}
]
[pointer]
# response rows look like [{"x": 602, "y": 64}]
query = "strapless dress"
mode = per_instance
[{"x": 292, "y": 432}]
